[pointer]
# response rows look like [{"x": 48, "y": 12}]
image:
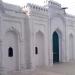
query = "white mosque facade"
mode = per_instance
[{"x": 35, "y": 36}]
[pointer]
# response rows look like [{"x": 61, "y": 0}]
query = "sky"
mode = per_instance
[{"x": 65, "y": 3}]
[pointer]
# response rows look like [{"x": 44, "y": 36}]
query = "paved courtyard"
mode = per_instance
[
  {"x": 56, "y": 69},
  {"x": 62, "y": 69}
]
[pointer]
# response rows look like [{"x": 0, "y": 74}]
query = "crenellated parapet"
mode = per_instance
[
  {"x": 55, "y": 8},
  {"x": 35, "y": 9},
  {"x": 54, "y": 4}
]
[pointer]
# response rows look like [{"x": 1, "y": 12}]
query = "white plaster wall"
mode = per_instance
[
  {"x": 26, "y": 26},
  {"x": 15, "y": 25},
  {"x": 37, "y": 28},
  {"x": 39, "y": 61},
  {"x": 27, "y": 39},
  {"x": 57, "y": 24},
  {"x": 1, "y": 43},
  {"x": 38, "y": 20},
  {"x": 70, "y": 31},
  {"x": 11, "y": 40}
]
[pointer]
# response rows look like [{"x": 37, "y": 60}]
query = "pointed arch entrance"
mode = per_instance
[
  {"x": 57, "y": 46},
  {"x": 39, "y": 49}
]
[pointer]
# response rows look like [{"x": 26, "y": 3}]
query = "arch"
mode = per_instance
[
  {"x": 57, "y": 42},
  {"x": 59, "y": 16},
  {"x": 71, "y": 47},
  {"x": 13, "y": 29},
  {"x": 40, "y": 33},
  {"x": 55, "y": 47},
  {"x": 39, "y": 57},
  {"x": 12, "y": 42},
  {"x": 59, "y": 32}
]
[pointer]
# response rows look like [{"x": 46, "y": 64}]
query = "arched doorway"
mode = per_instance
[
  {"x": 39, "y": 49},
  {"x": 55, "y": 47},
  {"x": 12, "y": 50}
]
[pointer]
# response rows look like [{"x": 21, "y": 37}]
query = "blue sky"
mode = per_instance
[{"x": 65, "y": 3}]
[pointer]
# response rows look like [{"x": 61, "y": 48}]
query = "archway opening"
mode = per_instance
[{"x": 55, "y": 47}]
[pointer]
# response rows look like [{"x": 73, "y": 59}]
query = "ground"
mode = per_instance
[{"x": 56, "y": 69}]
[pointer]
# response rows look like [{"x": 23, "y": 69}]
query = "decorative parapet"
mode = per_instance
[
  {"x": 54, "y": 4},
  {"x": 54, "y": 8},
  {"x": 37, "y": 8}
]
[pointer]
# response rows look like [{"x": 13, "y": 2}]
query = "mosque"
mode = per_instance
[{"x": 35, "y": 36}]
